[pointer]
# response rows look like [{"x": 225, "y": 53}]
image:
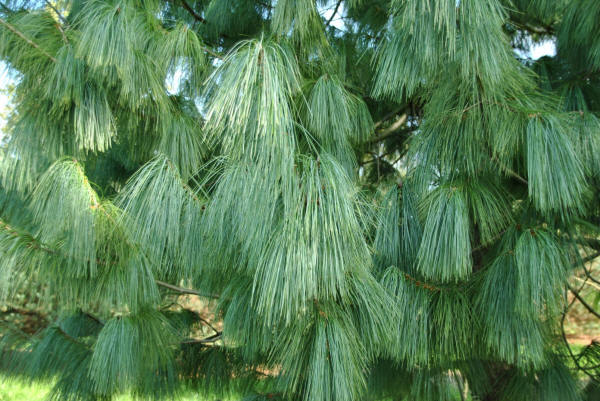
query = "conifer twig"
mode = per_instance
[
  {"x": 67, "y": 336},
  {"x": 193, "y": 13},
  {"x": 185, "y": 290},
  {"x": 6, "y": 9},
  {"x": 418, "y": 283},
  {"x": 212, "y": 53},
  {"x": 583, "y": 302},
  {"x": 388, "y": 116},
  {"x": 25, "y": 312},
  {"x": 202, "y": 319},
  {"x": 510, "y": 172},
  {"x": 37, "y": 245},
  {"x": 26, "y": 39},
  {"x": 391, "y": 130},
  {"x": 589, "y": 258},
  {"x": 592, "y": 284},
  {"x": 573, "y": 357},
  {"x": 588, "y": 274},
  {"x": 94, "y": 318},
  {"x": 58, "y": 26},
  {"x": 60, "y": 16},
  {"x": 209, "y": 339},
  {"x": 335, "y": 11}
]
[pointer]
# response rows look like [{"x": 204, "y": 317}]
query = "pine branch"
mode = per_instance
[
  {"x": 26, "y": 39},
  {"x": 210, "y": 339},
  {"x": 510, "y": 172},
  {"x": 592, "y": 284},
  {"x": 204, "y": 48},
  {"x": 60, "y": 16},
  {"x": 583, "y": 302},
  {"x": 25, "y": 312},
  {"x": 213, "y": 53},
  {"x": 538, "y": 29},
  {"x": 392, "y": 130},
  {"x": 67, "y": 336},
  {"x": 30, "y": 242},
  {"x": 206, "y": 322},
  {"x": 592, "y": 243},
  {"x": 377, "y": 158},
  {"x": 574, "y": 358},
  {"x": 58, "y": 26},
  {"x": 200, "y": 19},
  {"x": 388, "y": 116},
  {"x": 419, "y": 283},
  {"x": 6, "y": 9},
  {"x": 587, "y": 272},
  {"x": 185, "y": 290},
  {"x": 33, "y": 243},
  {"x": 198, "y": 315},
  {"x": 589, "y": 258},
  {"x": 194, "y": 14},
  {"x": 94, "y": 318},
  {"x": 335, "y": 11}
]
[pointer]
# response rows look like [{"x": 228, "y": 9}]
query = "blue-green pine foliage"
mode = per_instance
[{"x": 317, "y": 200}]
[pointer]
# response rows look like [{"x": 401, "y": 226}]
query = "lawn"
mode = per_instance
[
  {"x": 11, "y": 390},
  {"x": 15, "y": 390}
]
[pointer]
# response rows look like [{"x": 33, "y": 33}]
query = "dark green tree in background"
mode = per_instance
[{"x": 369, "y": 200}]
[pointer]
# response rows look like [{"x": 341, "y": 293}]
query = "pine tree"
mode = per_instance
[{"x": 372, "y": 200}]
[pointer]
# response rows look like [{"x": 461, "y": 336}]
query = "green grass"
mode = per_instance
[
  {"x": 12, "y": 390},
  {"x": 18, "y": 390}
]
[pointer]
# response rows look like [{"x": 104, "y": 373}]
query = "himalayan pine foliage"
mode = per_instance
[{"x": 312, "y": 200}]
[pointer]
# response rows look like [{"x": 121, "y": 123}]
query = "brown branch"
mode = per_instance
[
  {"x": 63, "y": 19},
  {"x": 589, "y": 258},
  {"x": 588, "y": 274},
  {"x": 24, "y": 312},
  {"x": 534, "y": 29},
  {"x": 591, "y": 242},
  {"x": 418, "y": 283},
  {"x": 209, "y": 339},
  {"x": 67, "y": 336},
  {"x": 335, "y": 11},
  {"x": 6, "y": 9},
  {"x": 583, "y": 302},
  {"x": 199, "y": 18},
  {"x": 510, "y": 172},
  {"x": 26, "y": 39},
  {"x": 571, "y": 354},
  {"x": 212, "y": 53},
  {"x": 94, "y": 318},
  {"x": 206, "y": 322},
  {"x": 184, "y": 290},
  {"x": 194, "y": 14},
  {"x": 198, "y": 315},
  {"x": 58, "y": 26},
  {"x": 391, "y": 130},
  {"x": 388, "y": 116},
  {"x": 377, "y": 158}
]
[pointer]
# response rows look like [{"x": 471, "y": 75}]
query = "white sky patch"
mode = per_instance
[
  {"x": 545, "y": 48},
  {"x": 337, "y": 21},
  {"x": 538, "y": 50},
  {"x": 4, "y": 99},
  {"x": 173, "y": 81}
]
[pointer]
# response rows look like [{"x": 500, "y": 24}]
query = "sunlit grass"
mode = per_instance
[
  {"x": 16, "y": 390},
  {"x": 19, "y": 390}
]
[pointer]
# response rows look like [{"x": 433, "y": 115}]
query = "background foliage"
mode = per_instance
[{"x": 362, "y": 200}]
